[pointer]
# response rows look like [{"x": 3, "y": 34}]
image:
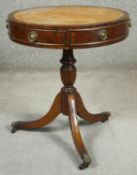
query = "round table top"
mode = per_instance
[
  {"x": 68, "y": 15},
  {"x": 68, "y": 26}
]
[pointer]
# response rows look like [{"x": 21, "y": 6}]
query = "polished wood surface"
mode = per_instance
[
  {"x": 68, "y": 27},
  {"x": 81, "y": 149},
  {"x": 69, "y": 103},
  {"x": 84, "y": 114},
  {"x": 45, "y": 120}
]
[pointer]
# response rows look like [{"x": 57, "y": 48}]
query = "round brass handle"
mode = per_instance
[
  {"x": 103, "y": 35},
  {"x": 33, "y": 36}
]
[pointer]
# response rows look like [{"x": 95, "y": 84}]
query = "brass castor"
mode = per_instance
[
  {"x": 86, "y": 162},
  {"x": 106, "y": 116}
]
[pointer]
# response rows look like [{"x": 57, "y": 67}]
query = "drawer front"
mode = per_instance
[
  {"x": 42, "y": 37},
  {"x": 69, "y": 38},
  {"x": 99, "y": 36}
]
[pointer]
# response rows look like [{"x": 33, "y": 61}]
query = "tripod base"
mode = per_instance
[
  {"x": 68, "y": 102},
  {"x": 71, "y": 105}
]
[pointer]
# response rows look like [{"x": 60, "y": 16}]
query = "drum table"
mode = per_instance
[{"x": 68, "y": 28}]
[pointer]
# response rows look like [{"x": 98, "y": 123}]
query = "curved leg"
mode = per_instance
[
  {"x": 83, "y": 113},
  {"x": 49, "y": 117},
  {"x": 76, "y": 133}
]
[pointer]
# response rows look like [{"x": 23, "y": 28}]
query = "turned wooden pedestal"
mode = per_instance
[
  {"x": 68, "y": 27},
  {"x": 68, "y": 102}
]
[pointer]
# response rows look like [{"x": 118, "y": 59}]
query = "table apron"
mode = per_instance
[{"x": 75, "y": 38}]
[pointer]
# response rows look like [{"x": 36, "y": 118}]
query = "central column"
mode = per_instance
[
  {"x": 68, "y": 77},
  {"x": 68, "y": 71}
]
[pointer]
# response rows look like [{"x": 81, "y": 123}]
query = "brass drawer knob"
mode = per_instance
[
  {"x": 103, "y": 35},
  {"x": 33, "y": 36}
]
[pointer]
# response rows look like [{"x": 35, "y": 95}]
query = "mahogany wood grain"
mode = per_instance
[
  {"x": 83, "y": 113},
  {"x": 76, "y": 132},
  {"x": 68, "y": 102},
  {"x": 98, "y": 30},
  {"x": 45, "y": 120},
  {"x": 65, "y": 30}
]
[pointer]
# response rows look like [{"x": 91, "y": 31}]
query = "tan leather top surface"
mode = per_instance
[{"x": 68, "y": 15}]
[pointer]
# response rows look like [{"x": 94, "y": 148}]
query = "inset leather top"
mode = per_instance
[{"x": 68, "y": 26}]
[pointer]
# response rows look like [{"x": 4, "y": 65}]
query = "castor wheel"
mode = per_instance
[
  {"x": 106, "y": 116},
  {"x": 83, "y": 165},
  {"x": 14, "y": 127},
  {"x": 13, "y": 130},
  {"x": 86, "y": 162}
]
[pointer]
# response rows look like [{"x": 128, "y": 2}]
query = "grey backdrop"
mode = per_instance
[
  {"x": 118, "y": 56},
  {"x": 28, "y": 95}
]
